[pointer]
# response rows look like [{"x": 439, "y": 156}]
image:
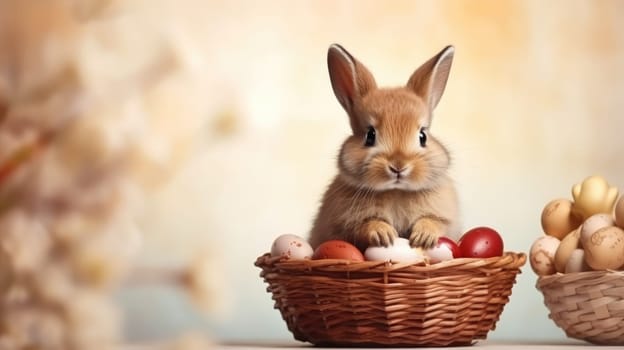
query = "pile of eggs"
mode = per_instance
[
  {"x": 479, "y": 242},
  {"x": 584, "y": 234}
]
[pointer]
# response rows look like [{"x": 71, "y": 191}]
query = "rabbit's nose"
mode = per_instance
[{"x": 396, "y": 170}]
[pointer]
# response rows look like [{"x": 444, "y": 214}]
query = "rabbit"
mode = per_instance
[{"x": 392, "y": 176}]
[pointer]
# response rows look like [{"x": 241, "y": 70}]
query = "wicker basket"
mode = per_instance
[
  {"x": 587, "y": 305},
  {"x": 342, "y": 303}
]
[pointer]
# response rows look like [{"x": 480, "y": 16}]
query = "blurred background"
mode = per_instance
[{"x": 533, "y": 106}]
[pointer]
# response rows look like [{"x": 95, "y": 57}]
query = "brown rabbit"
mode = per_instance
[{"x": 392, "y": 179}]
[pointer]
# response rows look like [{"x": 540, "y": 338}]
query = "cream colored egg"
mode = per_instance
[
  {"x": 558, "y": 219},
  {"x": 605, "y": 249},
  {"x": 291, "y": 247},
  {"x": 576, "y": 262},
  {"x": 567, "y": 245},
  {"x": 619, "y": 213},
  {"x": 593, "y": 224},
  {"x": 542, "y": 255},
  {"x": 399, "y": 251}
]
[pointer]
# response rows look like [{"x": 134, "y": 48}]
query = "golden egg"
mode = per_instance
[{"x": 593, "y": 196}]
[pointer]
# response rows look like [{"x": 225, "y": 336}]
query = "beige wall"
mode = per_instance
[{"x": 533, "y": 105}]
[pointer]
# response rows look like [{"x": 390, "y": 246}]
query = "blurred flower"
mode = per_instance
[
  {"x": 98, "y": 104},
  {"x": 201, "y": 280}
]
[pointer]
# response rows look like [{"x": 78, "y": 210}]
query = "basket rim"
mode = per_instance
[
  {"x": 509, "y": 260},
  {"x": 592, "y": 277}
]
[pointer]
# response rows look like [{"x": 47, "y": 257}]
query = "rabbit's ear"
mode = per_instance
[
  {"x": 350, "y": 81},
  {"x": 429, "y": 80}
]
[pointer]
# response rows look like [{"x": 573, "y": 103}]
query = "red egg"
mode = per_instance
[
  {"x": 481, "y": 242},
  {"x": 337, "y": 249},
  {"x": 446, "y": 249}
]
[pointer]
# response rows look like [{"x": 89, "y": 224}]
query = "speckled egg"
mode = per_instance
[
  {"x": 595, "y": 223},
  {"x": 542, "y": 255},
  {"x": 292, "y": 247},
  {"x": 605, "y": 249}
]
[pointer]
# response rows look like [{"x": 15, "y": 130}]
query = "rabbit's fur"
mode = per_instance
[{"x": 393, "y": 173}]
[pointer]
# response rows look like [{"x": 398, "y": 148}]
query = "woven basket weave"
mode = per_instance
[
  {"x": 343, "y": 303},
  {"x": 587, "y": 305}
]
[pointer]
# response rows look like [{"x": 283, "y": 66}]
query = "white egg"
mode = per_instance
[
  {"x": 292, "y": 247},
  {"x": 576, "y": 262},
  {"x": 439, "y": 253},
  {"x": 399, "y": 251}
]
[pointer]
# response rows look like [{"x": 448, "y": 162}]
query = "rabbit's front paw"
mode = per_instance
[
  {"x": 425, "y": 233},
  {"x": 379, "y": 233}
]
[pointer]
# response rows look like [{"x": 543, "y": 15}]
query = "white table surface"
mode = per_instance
[
  {"x": 478, "y": 345},
  {"x": 568, "y": 344}
]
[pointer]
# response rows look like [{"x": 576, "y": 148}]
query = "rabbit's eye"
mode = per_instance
[
  {"x": 423, "y": 137},
  {"x": 370, "y": 137}
]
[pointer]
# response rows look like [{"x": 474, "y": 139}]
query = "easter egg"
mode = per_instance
[
  {"x": 605, "y": 249},
  {"x": 619, "y": 213},
  {"x": 337, "y": 249},
  {"x": 292, "y": 247},
  {"x": 558, "y": 219},
  {"x": 576, "y": 262},
  {"x": 593, "y": 196},
  {"x": 570, "y": 242},
  {"x": 399, "y": 251},
  {"x": 481, "y": 242},
  {"x": 542, "y": 255},
  {"x": 595, "y": 223},
  {"x": 445, "y": 249}
]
